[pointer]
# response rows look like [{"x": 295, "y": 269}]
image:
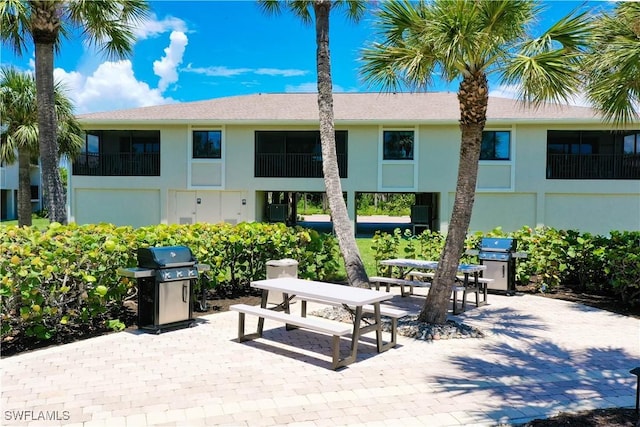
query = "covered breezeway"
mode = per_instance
[{"x": 407, "y": 211}]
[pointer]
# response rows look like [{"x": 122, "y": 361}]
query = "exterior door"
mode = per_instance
[
  {"x": 232, "y": 207},
  {"x": 186, "y": 207}
]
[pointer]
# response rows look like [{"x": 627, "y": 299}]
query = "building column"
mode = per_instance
[{"x": 351, "y": 208}]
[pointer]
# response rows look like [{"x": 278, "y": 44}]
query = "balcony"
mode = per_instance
[
  {"x": 294, "y": 165},
  {"x": 120, "y": 164},
  {"x": 593, "y": 166}
]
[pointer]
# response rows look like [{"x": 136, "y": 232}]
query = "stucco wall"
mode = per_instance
[
  {"x": 510, "y": 194},
  {"x": 117, "y": 206}
]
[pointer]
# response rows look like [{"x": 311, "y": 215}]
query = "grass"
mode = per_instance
[
  {"x": 39, "y": 223},
  {"x": 367, "y": 254}
]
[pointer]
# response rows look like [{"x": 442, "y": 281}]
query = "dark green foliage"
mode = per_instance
[
  {"x": 65, "y": 277},
  {"x": 587, "y": 263}
]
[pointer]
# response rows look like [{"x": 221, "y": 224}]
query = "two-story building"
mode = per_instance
[
  {"x": 245, "y": 158},
  {"x": 9, "y": 190}
]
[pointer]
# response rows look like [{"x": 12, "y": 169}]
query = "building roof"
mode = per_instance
[{"x": 349, "y": 108}]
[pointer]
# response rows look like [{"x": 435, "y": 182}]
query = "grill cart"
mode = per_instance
[
  {"x": 165, "y": 278},
  {"x": 499, "y": 255}
]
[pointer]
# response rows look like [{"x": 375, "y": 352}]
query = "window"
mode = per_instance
[
  {"x": 119, "y": 153},
  {"x": 593, "y": 154},
  {"x": 295, "y": 154},
  {"x": 632, "y": 144},
  {"x": 496, "y": 145},
  {"x": 207, "y": 144},
  {"x": 397, "y": 145}
]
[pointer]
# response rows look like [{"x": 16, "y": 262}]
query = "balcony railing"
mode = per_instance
[
  {"x": 593, "y": 166},
  {"x": 120, "y": 164},
  {"x": 294, "y": 166}
]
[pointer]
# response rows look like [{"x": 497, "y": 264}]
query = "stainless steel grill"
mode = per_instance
[
  {"x": 499, "y": 255},
  {"x": 165, "y": 278}
]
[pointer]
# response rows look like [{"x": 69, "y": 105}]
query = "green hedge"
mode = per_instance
[
  {"x": 65, "y": 277},
  {"x": 589, "y": 263}
]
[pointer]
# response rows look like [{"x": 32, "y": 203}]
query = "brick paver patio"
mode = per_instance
[{"x": 542, "y": 357}]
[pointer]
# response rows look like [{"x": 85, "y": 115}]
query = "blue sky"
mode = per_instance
[{"x": 197, "y": 50}]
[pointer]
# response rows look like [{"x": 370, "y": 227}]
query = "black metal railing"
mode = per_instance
[
  {"x": 294, "y": 166},
  {"x": 120, "y": 164},
  {"x": 593, "y": 166}
]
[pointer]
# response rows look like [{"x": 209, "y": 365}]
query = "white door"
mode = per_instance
[
  {"x": 232, "y": 207},
  {"x": 208, "y": 206},
  {"x": 186, "y": 207}
]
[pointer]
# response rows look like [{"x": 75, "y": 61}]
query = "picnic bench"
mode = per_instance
[
  {"x": 356, "y": 299},
  {"x": 385, "y": 311},
  {"x": 336, "y": 329},
  {"x": 414, "y": 269}
]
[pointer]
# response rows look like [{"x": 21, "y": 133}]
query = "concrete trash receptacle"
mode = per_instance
[{"x": 280, "y": 268}]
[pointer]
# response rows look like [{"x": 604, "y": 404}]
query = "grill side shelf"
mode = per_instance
[{"x": 136, "y": 272}]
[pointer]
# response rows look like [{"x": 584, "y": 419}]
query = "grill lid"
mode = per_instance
[
  {"x": 498, "y": 244},
  {"x": 165, "y": 257}
]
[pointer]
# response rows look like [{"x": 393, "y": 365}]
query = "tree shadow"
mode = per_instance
[
  {"x": 523, "y": 380},
  {"x": 503, "y": 321}
]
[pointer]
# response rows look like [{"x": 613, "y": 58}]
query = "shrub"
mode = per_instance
[
  {"x": 554, "y": 257},
  {"x": 622, "y": 265},
  {"x": 65, "y": 277}
]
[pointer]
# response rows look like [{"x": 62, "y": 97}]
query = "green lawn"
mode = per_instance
[
  {"x": 367, "y": 255},
  {"x": 40, "y": 223}
]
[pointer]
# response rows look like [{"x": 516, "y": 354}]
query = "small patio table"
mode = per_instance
[{"x": 406, "y": 265}]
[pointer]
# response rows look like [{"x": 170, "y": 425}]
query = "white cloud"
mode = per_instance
[
  {"x": 216, "y": 71},
  {"x": 167, "y": 67},
  {"x": 224, "y": 71},
  {"x": 112, "y": 86},
  {"x": 152, "y": 27},
  {"x": 310, "y": 87},
  {"x": 511, "y": 91},
  {"x": 279, "y": 72}
]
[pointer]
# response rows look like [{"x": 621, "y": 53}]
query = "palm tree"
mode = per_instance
[
  {"x": 108, "y": 24},
  {"x": 19, "y": 130},
  {"x": 613, "y": 64},
  {"x": 354, "y": 9},
  {"x": 468, "y": 41}
]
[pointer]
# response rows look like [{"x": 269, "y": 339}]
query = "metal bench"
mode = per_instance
[
  {"x": 385, "y": 311},
  {"x": 388, "y": 281},
  {"x": 336, "y": 329},
  {"x": 470, "y": 288},
  {"x": 457, "y": 309}
]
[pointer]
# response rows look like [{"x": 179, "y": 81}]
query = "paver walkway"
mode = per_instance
[{"x": 543, "y": 356}]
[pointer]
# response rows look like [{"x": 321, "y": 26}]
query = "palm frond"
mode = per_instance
[
  {"x": 270, "y": 7},
  {"x": 14, "y": 24},
  {"x": 354, "y": 9},
  {"x": 19, "y": 112},
  {"x": 549, "y": 68},
  {"x": 613, "y": 65},
  {"x": 394, "y": 67},
  {"x": 108, "y": 25}
]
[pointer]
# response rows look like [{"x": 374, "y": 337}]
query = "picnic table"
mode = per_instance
[
  {"x": 477, "y": 284},
  {"x": 356, "y": 300}
]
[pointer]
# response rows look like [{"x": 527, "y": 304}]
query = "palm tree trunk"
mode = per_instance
[
  {"x": 54, "y": 197},
  {"x": 24, "y": 187},
  {"x": 473, "y": 96},
  {"x": 356, "y": 273}
]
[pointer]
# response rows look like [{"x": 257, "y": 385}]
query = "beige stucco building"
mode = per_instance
[
  {"x": 9, "y": 190},
  {"x": 243, "y": 158}
]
